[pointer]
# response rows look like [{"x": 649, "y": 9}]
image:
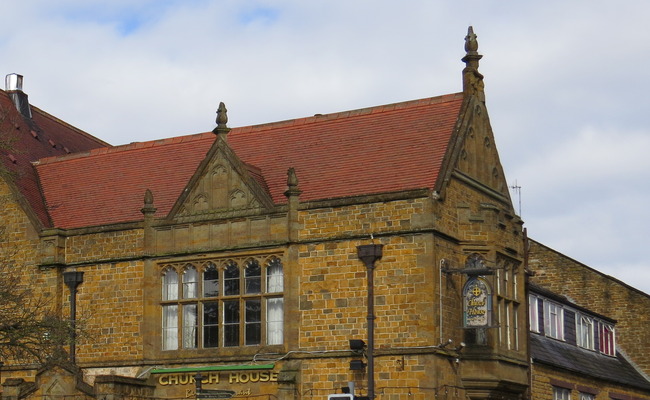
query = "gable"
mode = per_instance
[
  {"x": 221, "y": 185},
  {"x": 473, "y": 156},
  {"x": 56, "y": 381},
  {"x": 479, "y": 158}
]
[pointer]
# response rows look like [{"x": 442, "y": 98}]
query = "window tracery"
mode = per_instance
[{"x": 222, "y": 303}]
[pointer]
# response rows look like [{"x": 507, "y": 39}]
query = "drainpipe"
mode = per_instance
[
  {"x": 73, "y": 279},
  {"x": 369, "y": 254}
]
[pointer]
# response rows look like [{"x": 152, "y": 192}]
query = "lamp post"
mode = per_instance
[
  {"x": 73, "y": 279},
  {"x": 369, "y": 254}
]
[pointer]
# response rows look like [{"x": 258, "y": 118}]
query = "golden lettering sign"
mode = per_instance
[
  {"x": 213, "y": 377},
  {"x": 478, "y": 303}
]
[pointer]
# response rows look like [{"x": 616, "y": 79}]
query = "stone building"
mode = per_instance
[
  {"x": 590, "y": 341},
  {"x": 248, "y": 262},
  {"x": 573, "y": 351}
]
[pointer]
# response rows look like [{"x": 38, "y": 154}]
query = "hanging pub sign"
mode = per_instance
[{"x": 477, "y": 306}]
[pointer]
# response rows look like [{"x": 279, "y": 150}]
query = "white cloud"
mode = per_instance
[{"x": 566, "y": 85}]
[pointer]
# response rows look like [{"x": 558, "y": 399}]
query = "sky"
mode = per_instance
[{"x": 567, "y": 86}]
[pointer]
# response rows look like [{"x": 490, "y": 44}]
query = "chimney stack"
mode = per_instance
[{"x": 14, "y": 88}]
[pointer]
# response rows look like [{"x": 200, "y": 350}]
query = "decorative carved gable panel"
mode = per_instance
[
  {"x": 222, "y": 185},
  {"x": 54, "y": 390},
  {"x": 478, "y": 157}
]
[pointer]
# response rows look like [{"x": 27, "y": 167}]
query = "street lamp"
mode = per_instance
[
  {"x": 73, "y": 279},
  {"x": 369, "y": 254}
]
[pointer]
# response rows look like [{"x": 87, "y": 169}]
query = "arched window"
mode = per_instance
[
  {"x": 170, "y": 284},
  {"x": 231, "y": 279},
  {"x": 253, "y": 280},
  {"x": 211, "y": 281},
  {"x": 190, "y": 282},
  {"x": 274, "y": 277}
]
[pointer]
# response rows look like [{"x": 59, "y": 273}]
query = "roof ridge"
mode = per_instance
[
  {"x": 67, "y": 125},
  {"x": 360, "y": 111},
  {"x": 125, "y": 147},
  {"x": 254, "y": 128}
]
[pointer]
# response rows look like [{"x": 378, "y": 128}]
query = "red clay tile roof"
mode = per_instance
[
  {"x": 374, "y": 150},
  {"x": 107, "y": 185},
  {"x": 29, "y": 140}
]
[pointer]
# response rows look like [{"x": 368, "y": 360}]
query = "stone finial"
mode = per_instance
[
  {"x": 148, "y": 197},
  {"x": 292, "y": 183},
  {"x": 222, "y": 120},
  {"x": 292, "y": 179},
  {"x": 148, "y": 208},
  {"x": 472, "y": 79},
  {"x": 222, "y": 115},
  {"x": 471, "y": 44}
]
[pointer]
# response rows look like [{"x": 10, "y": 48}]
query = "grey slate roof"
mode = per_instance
[{"x": 585, "y": 362}]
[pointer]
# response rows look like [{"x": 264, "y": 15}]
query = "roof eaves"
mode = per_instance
[{"x": 561, "y": 355}]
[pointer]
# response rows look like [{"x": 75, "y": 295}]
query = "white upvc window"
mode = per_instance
[
  {"x": 585, "y": 331},
  {"x": 533, "y": 313},
  {"x": 607, "y": 339},
  {"x": 553, "y": 320},
  {"x": 561, "y": 393}
]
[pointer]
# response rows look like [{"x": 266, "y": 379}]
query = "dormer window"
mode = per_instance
[{"x": 572, "y": 324}]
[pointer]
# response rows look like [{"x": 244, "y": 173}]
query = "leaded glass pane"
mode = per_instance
[
  {"x": 211, "y": 324},
  {"x": 190, "y": 325},
  {"x": 274, "y": 320},
  {"x": 170, "y": 327},
  {"x": 231, "y": 323},
  {"x": 253, "y": 322}
]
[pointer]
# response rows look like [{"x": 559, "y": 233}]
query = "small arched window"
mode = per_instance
[
  {"x": 253, "y": 277},
  {"x": 170, "y": 284},
  {"x": 190, "y": 282},
  {"x": 211, "y": 281},
  {"x": 274, "y": 277},
  {"x": 231, "y": 279}
]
